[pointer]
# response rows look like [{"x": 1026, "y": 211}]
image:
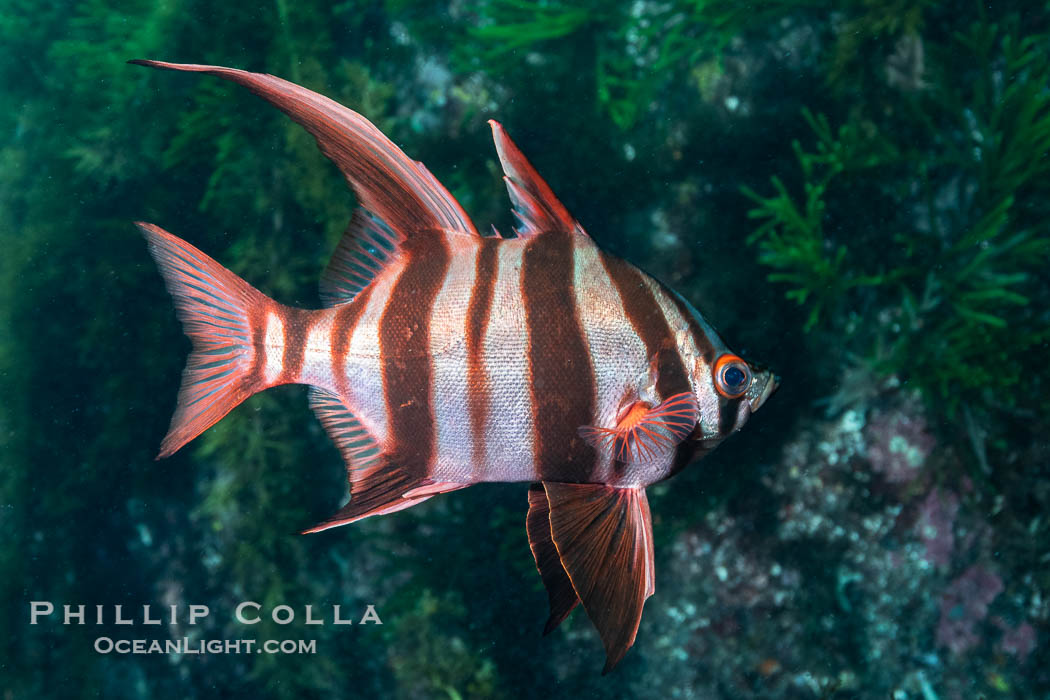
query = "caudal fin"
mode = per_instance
[{"x": 217, "y": 309}]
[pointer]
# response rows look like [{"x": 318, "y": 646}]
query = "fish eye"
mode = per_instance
[{"x": 732, "y": 376}]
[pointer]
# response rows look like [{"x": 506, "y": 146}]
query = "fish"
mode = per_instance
[{"x": 443, "y": 357}]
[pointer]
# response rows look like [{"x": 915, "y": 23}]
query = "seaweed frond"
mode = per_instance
[{"x": 959, "y": 299}]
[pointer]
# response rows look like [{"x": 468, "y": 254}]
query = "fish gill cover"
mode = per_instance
[{"x": 856, "y": 194}]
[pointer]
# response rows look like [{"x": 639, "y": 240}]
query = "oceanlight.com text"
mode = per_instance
[{"x": 108, "y": 645}]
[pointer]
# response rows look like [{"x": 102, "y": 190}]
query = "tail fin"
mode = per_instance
[{"x": 220, "y": 313}]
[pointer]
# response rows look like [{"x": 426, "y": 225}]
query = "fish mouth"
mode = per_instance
[{"x": 762, "y": 387}]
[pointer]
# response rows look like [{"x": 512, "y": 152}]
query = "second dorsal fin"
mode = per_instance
[{"x": 366, "y": 246}]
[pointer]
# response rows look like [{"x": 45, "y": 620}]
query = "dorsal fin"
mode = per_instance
[
  {"x": 399, "y": 197},
  {"x": 535, "y": 205},
  {"x": 386, "y": 181}
]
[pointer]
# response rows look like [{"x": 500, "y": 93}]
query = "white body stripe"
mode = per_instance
[
  {"x": 509, "y": 425},
  {"x": 454, "y": 459},
  {"x": 274, "y": 347},
  {"x": 317, "y": 354},
  {"x": 364, "y": 374}
]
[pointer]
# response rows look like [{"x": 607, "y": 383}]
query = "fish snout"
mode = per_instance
[{"x": 762, "y": 387}]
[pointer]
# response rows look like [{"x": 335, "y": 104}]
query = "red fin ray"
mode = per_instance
[
  {"x": 355, "y": 443},
  {"x": 388, "y": 183},
  {"x": 535, "y": 205},
  {"x": 216, "y": 308},
  {"x": 429, "y": 487},
  {"x": 645, "y": 434},
  {"x": 560, "y": 593},
  {"x": 604, "y": 539},
  {"x": 377, "y": 486},
  {"x": 365, "y": 248}
]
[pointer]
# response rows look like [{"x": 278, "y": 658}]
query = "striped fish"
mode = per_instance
[{"x": 443, "y": 358}]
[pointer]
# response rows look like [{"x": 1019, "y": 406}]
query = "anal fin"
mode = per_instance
[
  {"x": 560, "y": 593},
  {"x": 429, "y": 487},
  {"x": 377, "y": 486},
  {"x": 604, "y": 539}
]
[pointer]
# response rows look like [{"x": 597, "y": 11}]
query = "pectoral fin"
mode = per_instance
[
  {"x": 646, "y": 433},
  {"x": 604, "y": 539}
]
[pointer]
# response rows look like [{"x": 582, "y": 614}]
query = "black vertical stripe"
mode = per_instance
[
  {"x": 257, "y": 322},
  {"x": 561, "y": 374},
  {"x": 687, "y": 452},
  {"x": 647, "y": 318},
  {"x": 404, "y": 353},
  {"x": 478, "y": 312},
  {"x": 727, "y": 415},
  {"x": 296, "y": 323}
]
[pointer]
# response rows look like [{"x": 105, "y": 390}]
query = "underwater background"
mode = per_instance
[{"x": 856, "y": 194}]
